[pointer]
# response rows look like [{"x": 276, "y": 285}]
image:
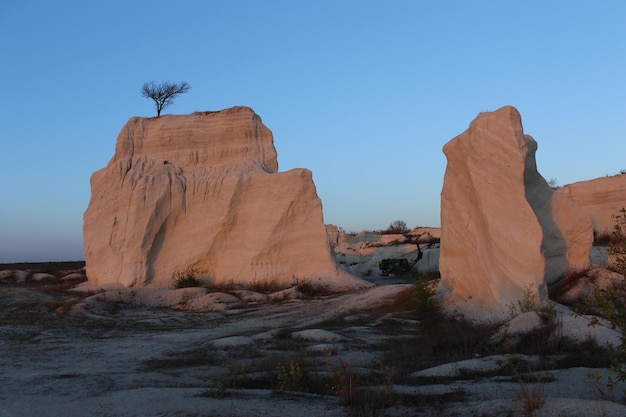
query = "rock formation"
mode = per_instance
[
  {"x": 504, "y": 232},
  {"x": 202, "y": 191},
  {"x": 362, "y": 253},
  {"x": 334, "y": 234},
  {"x": 601, "y": 198}
]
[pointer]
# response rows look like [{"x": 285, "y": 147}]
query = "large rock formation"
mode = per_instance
[
  {"x": 504, "y": 232},
  {"x": 202, "y": 191},
  {"x": 601, "y": 198}
]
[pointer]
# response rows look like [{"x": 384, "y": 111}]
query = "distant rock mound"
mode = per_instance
[
  {"x": 504, "y": 232},
  {"x": 202, "y": 191},
  {"x": 601, "y": 198},
  {"x": 335, "y": 235}
]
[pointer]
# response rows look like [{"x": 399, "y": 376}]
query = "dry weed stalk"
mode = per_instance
[{"x": 532, "y": 396}]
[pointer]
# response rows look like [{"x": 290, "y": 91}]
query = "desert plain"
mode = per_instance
[{"x": 70, "y": 349}]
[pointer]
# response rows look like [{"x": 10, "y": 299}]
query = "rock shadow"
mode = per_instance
[{"x": 540, "y": 197}]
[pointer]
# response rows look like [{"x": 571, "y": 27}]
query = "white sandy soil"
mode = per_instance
[{"x": 107, "y": 355}]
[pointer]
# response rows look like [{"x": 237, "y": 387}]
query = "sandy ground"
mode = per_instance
[{"x": 116, "y": 354}]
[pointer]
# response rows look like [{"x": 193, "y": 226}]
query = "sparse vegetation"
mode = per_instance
[
  {"x": 187, "y": 278},
  {"x": 610, "y": 304},
  {"x": 397, "y": 226},
  {"x": 602, "y": 239},
  {"x": 163, "y": 94},
  {"x": 265, "y": 287},
  {"x": 364, "y": 395},
  {"x": 420, "y": 298},
  {"x": 553, "y": 183},
  {"x": 531, "y": 302},
  {"x": 424, "y": 296},
  {"x": 240, "y": 375},
  {"x": 309, "y": 290},
  {"x": 289, "y": 378},
  {"x": 532, "y": 396},
  {"x": 617, "y": 246},
  {"x": 409, "y": 334},
  {"x": 343, "y": 383},
  {"x": 561, "y": 287}
]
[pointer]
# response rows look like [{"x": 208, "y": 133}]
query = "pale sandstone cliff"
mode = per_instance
[
  {"x": 503, "y": 231},
  {"x": 202, "y": 191},
  {"x": 601, "y": 198}
]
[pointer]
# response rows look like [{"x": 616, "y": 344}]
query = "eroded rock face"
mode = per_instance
[
  {"x": 601, "y": 198},
  {"x": 202, "y": 191},
  {"x": 503, "y": 230}
]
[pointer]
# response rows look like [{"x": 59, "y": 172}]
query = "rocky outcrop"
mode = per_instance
[
  {"x": 202, "y": 191},
  {"x": 601, "y": 198},
  {"x": 13, "y": 276},
  {"x": 362, "y": 253},
  {"x": 335, "y": 235},
  {"x": 504, "y": 232},
  {"x": 586, "y": 285}
]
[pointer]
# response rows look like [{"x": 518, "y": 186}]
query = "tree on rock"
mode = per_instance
[{"x": 163, "y": 94}]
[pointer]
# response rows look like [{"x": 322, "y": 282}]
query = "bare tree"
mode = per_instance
[
  {"x": 398, "y": 226},
  {"x": 163, "y": 94}
]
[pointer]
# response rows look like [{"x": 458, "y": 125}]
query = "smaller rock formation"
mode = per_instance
[
  {"x": 335, "y": 235},
  {"x": 362, "y": 253},
  {"x": 19, "y": 276},
  {"x": 426, "y": 234},
  {"x": 504, "y": 232},
  {"x": 594, "y": 279},
  {"x": 601, "y": 198}
]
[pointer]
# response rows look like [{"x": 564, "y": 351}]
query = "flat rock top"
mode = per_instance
[
  {"x": 600, "y": 197},
  {"x": 201, "y": 138}
]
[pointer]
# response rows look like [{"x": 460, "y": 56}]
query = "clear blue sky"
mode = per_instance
[{"x": 362, "y": 93}]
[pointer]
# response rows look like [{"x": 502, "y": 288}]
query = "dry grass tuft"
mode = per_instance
[
  {"x": 266, "y": 287},
  {"x": 186, "y": 279},
  {"x": 532, "y": 397}
]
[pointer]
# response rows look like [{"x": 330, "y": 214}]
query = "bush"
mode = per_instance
[
  {"x": 424, "y": 296},
  {"x": 187, "y": 278},
  {"x": 289, "y": 379},
  {"x": 617, "y": 246},
  {"x": 364, "y": 395},
  {"x": 530, "y": 302},
  {"x": 397, "y": 226},
  {"x": 610, "y": 304}
]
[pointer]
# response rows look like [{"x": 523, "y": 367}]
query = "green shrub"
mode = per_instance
[
  {"x": 530, "y": 302},
  {"x": 424, "y": 298},
  {"x": 419, "y": 298},
  {"x": 610, "y": 304},
  {"x": 617, "y": 246},
  {"x": 290, "y": 379}
]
